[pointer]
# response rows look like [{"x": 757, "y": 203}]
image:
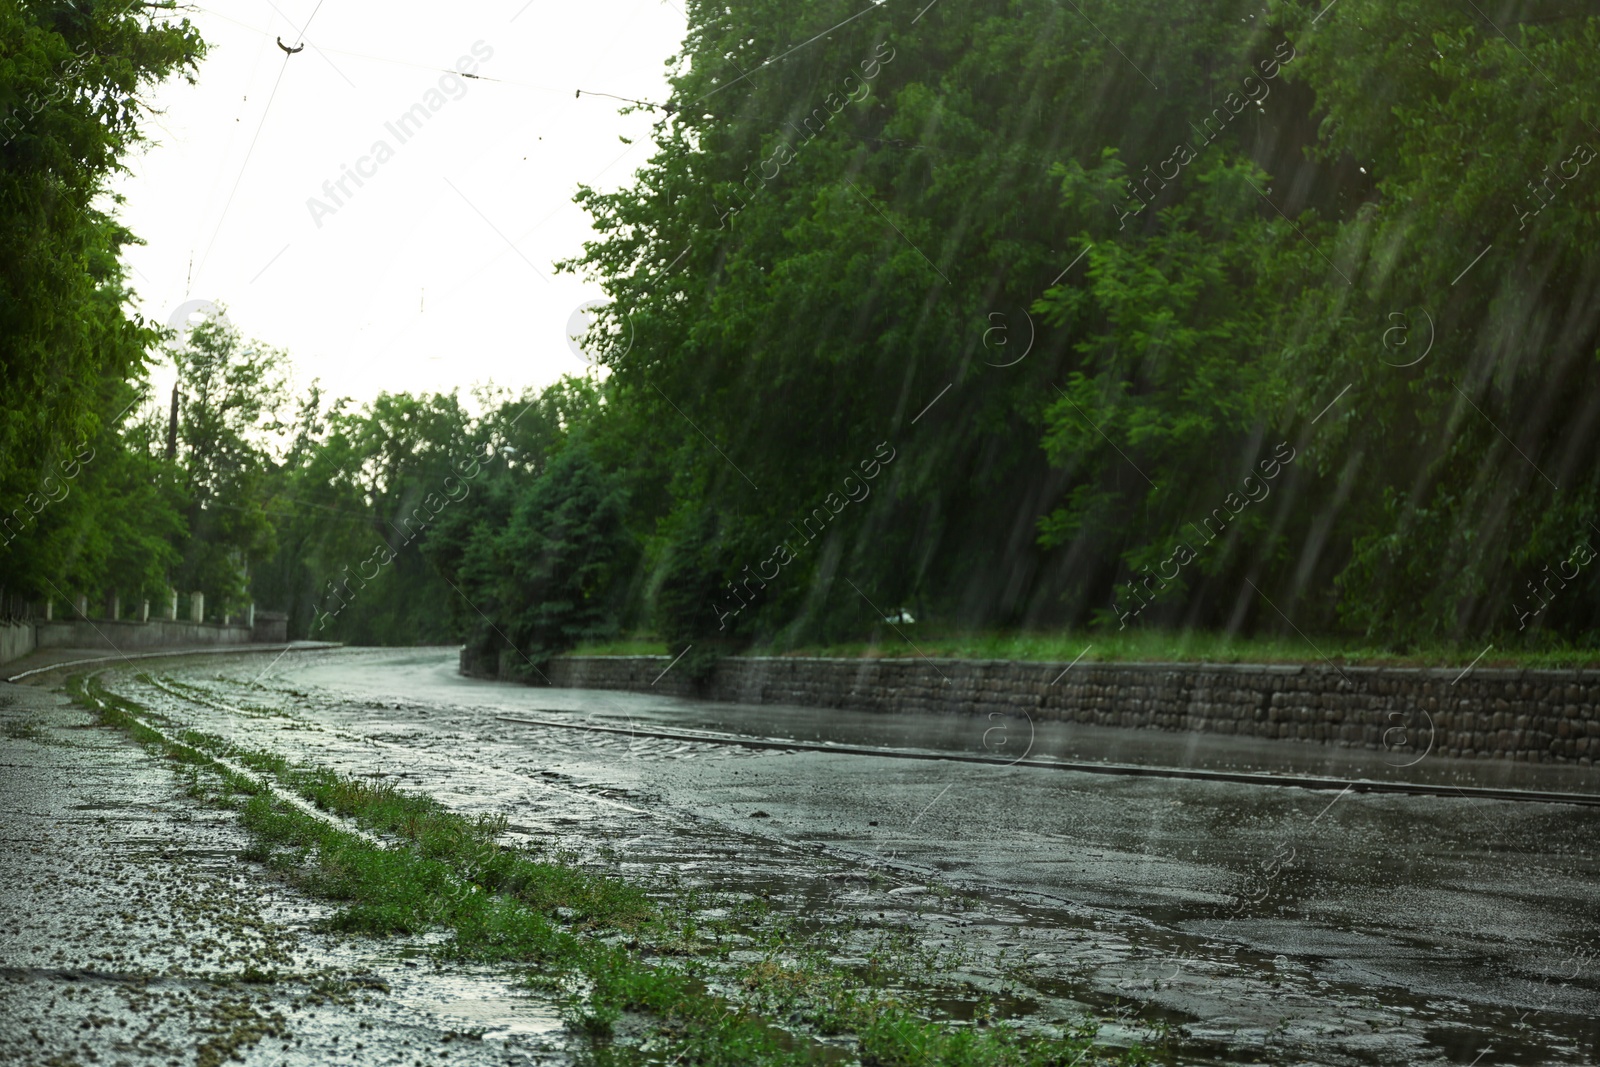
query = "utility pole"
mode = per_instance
[{"x": 172, "y": 426}]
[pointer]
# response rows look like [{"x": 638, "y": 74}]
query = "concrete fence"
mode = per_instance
[
  {"x": 1537, "y": 715},
  {"x": 112, "y": 607},
  {"x": 121, "y": 635},
  {"x": 16, "y": 640}
]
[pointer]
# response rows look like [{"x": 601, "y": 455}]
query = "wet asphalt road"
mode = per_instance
[{"x": 1275, "y": 924}]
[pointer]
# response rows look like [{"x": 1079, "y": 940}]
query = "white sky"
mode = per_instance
[{"x": 406, "y": 286}]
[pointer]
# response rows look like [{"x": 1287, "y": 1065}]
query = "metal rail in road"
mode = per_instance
[
  {"x": 206, "y": 650},
  {"x": 1297, "y": 781}
]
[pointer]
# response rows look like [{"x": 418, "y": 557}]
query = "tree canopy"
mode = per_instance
[{"x": 72, "y": 77}]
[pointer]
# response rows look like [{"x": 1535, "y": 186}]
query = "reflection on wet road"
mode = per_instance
[{"x": 1283, "y": 924}]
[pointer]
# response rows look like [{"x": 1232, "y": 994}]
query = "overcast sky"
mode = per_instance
[{"x": 436, "y": 271}]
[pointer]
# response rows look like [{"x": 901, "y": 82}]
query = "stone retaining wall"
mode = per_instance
[{"x": 1538, "y": 715}]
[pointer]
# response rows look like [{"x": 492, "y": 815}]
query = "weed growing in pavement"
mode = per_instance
[{"x": 595, "y": 941}]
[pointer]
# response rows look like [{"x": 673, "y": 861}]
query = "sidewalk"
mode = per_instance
[{"x": 132, "y": 930}]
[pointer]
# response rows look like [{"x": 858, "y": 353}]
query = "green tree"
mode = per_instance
[
  {"x": 111, "y": 515},
  {"x": 1460, "y": 478},
  {"x": 1167, "y": 411},
  {"x": 72, "y": 76},
  {"x": 809, "y": 267},
  {"x": 566, "y": 558},
  {"x": 528, "y": 570},
  {"x": 231, "y": 397}
]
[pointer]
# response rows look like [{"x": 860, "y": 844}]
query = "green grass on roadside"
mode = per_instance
[
  {"x": 1140, "y": 645},
  {"x": 632, "y": 646},
  {"x": 587, "y": 938}
]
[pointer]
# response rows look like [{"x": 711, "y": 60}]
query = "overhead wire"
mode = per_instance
[
  {"x": 249, "y": 152},
  {"x": 420, "y": 66},
  {"x": 669, "y": 109},
  {"x": 217, "y": 180},
  {"x": 307, "y": 24},
  {"x": 246, "y": 164}
]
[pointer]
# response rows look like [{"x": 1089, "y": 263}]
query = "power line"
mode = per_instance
[
  {"x": 307, "y": 24},
  {"x": 249, "y": 152},
  {"x": 668, "y": 108},
  {"x": 445, "y": 70},
  {"x": 796, "y": 48},
  {"x": 392, "y": 61},
  {"x": 245, "y": 165}
]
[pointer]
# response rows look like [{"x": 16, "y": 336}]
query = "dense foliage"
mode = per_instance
[
  {"x": 1268, "y": 376},
  {"x": 71, "y": 75},
  {"x": 1001, "y": 313}
]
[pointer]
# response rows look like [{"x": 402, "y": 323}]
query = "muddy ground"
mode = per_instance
[{"x": 1247, "y": 923}]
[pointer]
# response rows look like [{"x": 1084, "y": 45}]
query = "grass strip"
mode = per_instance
[{"x": 1149, "y": 645}]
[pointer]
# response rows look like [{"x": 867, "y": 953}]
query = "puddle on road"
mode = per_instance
[{"x": 484, "y": 1006}]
